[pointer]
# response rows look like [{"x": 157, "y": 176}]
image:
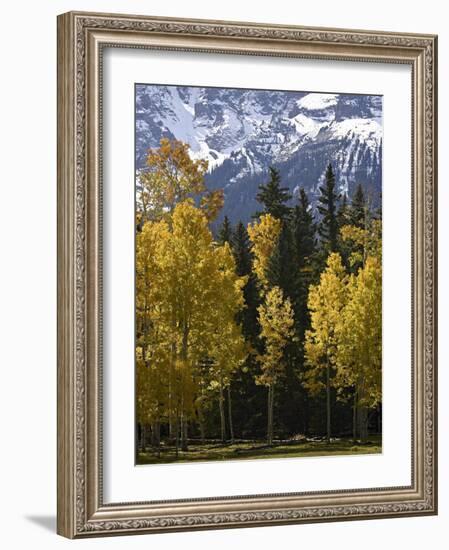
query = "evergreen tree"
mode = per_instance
[
  {"x": 274, "y": 197},
  {"x": 344, "y": 219},
  {"x": 281, "y": 267},
  {"x": 378, "y": 212},
  {"x": 241, "y": 250},
  {"x": 247, "y": 397},
  {"x": 243, "y": 265},
  {"x": 359, "y": 217},
  {"x": 225, "y": 233},
  {"x": 292, "y": 409},
  {"x": 344, "y": 214},
  {"x": 327, "y": 207},
  {"x": 304, "y": 231},
  {"x": 304, "y": 247},
  {"x": 357, "y": 212},
  {"x": 290, "y": 269}
]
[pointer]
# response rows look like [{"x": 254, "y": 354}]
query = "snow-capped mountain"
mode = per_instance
[{"x": 243, "y": 132}]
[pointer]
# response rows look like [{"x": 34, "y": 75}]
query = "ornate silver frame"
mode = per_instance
[{"x": 81, "y": 37}]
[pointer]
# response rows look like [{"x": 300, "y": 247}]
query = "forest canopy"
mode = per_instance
[{"x": 253, "y": 336}]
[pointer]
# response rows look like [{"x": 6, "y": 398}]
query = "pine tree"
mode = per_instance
[
  {"x": 244, "y": 268},
  {"x": 303, "y": 231},
  {"x": 378, "y": 211},
  {"x": 343, "y": 215},
  {"x": 357, "y": 213},
  {"x": 280, "y": 265},
  {"x": 246, "y": 396},
  {"x": 225, "y": 233},
  {"x": 304, "y": 239},
  {"x": 292, "y": 398},
  {"x": 344, "y": 219},
  {"x": 274, "y": 197},
  {"x": 327, "y": 207},
  {"x": 281, "y": 268},
  {"x": 241, "y": 250}
]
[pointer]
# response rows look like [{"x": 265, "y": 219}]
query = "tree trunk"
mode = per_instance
[
  {"x": 153, "y": 434},
  {"x": 379, "y": 419},
  {"x": 231, "y": 424},
  {"x": 157, "y": 437},
  {"x": 171, "y": 428},
  {"x": 354, "y": 418},
  {"x": 328, "y": 404},
  {"x": 170, "y": 405},
  {"x": 184, "y": 349},
  {"x": 363, "y": 424},
  {"x": 177, "y": 436},
  {"x": 172, "y": 418},
  {"x": 186, "y": 435},
  {"x": 184, "y": 429},
  {"x": 222, "y": 415},
  {"x": 270, "y": 415},
  {"x": 201, "y": 424},
  {"x": 143, "y": 438}
]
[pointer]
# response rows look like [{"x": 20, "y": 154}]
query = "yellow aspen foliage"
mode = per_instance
[
  {"x": 359, "y": 334},
  {"x": 188, "y": 295},
  {"x": 325, "y": 302},
  {"x": 276, "y": 323},
  {"x": 368, "y": 241},
  {"x": 263, "y": 236},
  {"x": 227, "y": 349},
  {"x": 171, "y": 176},
  {"x": 211, "y": 203},
  {"x": 152, "y": 344},
  {"x": 276, "y": 319},
  {"x": 228, "y": 346}
]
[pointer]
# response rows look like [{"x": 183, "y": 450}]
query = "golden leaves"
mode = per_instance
[
  {"x": 171, "y": 176},
  {"x": 188, "y": 295},
  {"x": 263, "y": 235},
  {"x": 326, "y": 302},
  {"x": 276, "y": 322},
  {"x": 359, "y": 353},
  {"x": 346, "y": 325}
]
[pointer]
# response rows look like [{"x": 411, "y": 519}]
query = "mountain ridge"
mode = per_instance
[{"x": 243, "y": 132}]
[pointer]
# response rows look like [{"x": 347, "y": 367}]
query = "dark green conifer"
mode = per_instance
[
  {"x": 357, "y": 213},
  {"x": 225, "y": 233},
  {"x": 327, "y": 207},
  {"x": 343, "y": 215},
  {"x": 274, "y": 197},
  {"x": 243, "y": 265}
]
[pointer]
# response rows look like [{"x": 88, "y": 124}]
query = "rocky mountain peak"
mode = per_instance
[{"x": 243, "y": 132}]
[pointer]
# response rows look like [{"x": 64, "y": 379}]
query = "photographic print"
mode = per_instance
[
  {"x": 247, "y": 254},
  {"x": 258, "y": 265}
]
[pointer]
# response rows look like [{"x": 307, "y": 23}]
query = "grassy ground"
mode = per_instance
[{"x": 252, "y": 450}]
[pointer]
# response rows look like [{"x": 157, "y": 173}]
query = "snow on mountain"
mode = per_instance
[
  {"x": 368, "y": 130},
  {"x": 317, "y": 102},
  {"x": 243, "y": 132}
]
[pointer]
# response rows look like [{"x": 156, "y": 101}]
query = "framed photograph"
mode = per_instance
[{"x": 246, "y": 274}]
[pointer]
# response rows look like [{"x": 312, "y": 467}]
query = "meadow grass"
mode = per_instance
[{"x": 252, "y": 450}]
